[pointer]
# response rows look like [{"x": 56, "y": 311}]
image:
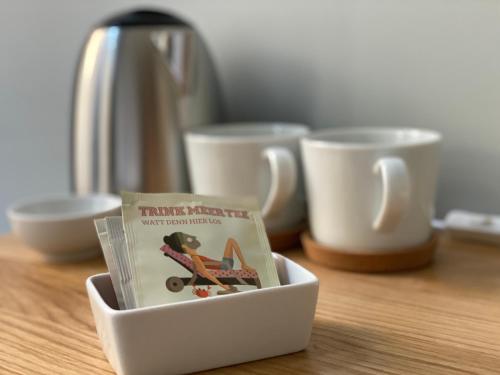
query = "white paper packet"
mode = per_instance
[
  {"x": 111, "y": 261},
  {"x": 112, "y": 239},
  {"x": 116, "y": 238}
]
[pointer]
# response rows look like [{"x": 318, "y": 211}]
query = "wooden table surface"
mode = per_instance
[{"x": 443, "y": 319}]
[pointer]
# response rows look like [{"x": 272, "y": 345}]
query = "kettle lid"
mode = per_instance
[{"x": 143, "y": 17}]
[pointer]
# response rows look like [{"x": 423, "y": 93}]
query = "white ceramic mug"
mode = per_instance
[
  {"x": 251, "y": 159},
  {"x": 371, "y": 189}
]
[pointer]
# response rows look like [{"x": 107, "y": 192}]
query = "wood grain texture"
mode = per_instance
[
  {"x": 368, "y": 261},
  {"x": 442, "y": 319}
]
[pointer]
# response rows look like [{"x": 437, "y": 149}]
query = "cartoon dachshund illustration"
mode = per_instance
[{"x": 207, "y": 271}]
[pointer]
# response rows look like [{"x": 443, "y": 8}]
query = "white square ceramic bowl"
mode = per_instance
[{"x": 202, "y": 334}]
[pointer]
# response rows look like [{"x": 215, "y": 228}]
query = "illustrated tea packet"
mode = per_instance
[{"x": 186, "y": 246}]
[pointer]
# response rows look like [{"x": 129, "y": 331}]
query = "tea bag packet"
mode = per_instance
[
  {"x": 111, "y": 260},
  {"x": 121, "y": 255},
  {"x": 186, "y": 246},
  {"x": 112, "y": 239}
]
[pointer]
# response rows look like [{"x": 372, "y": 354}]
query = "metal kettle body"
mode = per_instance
[{"x": 144, "y": 78}]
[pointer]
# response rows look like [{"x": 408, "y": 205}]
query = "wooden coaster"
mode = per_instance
[
  {"x": 404, "y": 259},
  {"x": 287, "y": 239}
]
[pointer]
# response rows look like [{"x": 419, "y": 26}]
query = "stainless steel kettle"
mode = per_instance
[{"x": 143, "y": 78}]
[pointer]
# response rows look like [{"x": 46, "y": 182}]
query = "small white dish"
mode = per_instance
[
  {"x": 62, "y": 227},
  {"x": 196, "y": 335}
]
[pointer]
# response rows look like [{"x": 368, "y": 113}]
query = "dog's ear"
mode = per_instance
[{"x": 166, "y": 239}]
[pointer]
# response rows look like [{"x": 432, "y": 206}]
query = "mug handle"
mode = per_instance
[
  {"x": 284, "y": 179},
  {"x": 395, "y": 193}
]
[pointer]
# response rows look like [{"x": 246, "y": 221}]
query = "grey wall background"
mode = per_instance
[{"x": 423, "y": 63}]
